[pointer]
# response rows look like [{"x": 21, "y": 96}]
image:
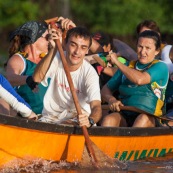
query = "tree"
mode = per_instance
[
  {"x": 120, "y": 17},
  {"x": 14, "y": 13}
]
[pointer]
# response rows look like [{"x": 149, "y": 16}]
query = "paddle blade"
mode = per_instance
[{"x": 103, "y": 160}]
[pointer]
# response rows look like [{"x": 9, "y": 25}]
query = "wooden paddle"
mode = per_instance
[
  {"x": 74, "y": 95},
  {"x": 134, "y": 109},
  {"x": 102, "y": 160}
]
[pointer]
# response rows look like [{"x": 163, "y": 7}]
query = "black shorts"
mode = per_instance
[{"x": 130, "y": 117}]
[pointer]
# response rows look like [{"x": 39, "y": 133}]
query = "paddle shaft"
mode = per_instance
[
  {"x": 131, "y": 108},
  {"x": 76, "y": 102}
]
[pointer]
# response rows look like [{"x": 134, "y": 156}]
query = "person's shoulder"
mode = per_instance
[
  {"x": 166, "y": 47},
  {"x": 87, "y": 64},
  {"x": 16, "y": 59},
  {"x": 88, "y": 67},
  {"x": 160, "y": 64},
  {"x": 17, "y": 56}
]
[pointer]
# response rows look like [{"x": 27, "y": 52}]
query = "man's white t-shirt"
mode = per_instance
[{"x": 58, "y": 101}]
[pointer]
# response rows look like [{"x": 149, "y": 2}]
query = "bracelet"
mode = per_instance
[{"x": 30, "y": 82}]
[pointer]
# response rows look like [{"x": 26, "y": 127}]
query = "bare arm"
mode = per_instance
[
  {"x": 107, "y": 94},
  {"x": 110, "y": 71},
  {"x": 90, "y": 59},
  {"x": 14, "y": 69},
  {"x": 45, "y": 63},
  {"x": 43, "y": 66},
  {"x": 110, "y": 99},
  {"x": 135, "y": 76},
  {"x": 96, "y": 113}
]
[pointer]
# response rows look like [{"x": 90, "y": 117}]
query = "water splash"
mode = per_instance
[
  {"x": 29, "y": 165},
  {"x": 33, "y": 165}
]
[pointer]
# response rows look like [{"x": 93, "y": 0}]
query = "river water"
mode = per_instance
[{"x": 43, "y": 166}]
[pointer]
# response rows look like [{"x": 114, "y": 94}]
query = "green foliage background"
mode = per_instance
[
  {"x": 122, "y": 16},
  {"x": 116, "y": 17}
]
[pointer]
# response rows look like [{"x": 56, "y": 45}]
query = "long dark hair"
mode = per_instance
[{"x": 16, "y": 45}]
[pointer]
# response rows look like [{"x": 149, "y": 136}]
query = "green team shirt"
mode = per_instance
[
  {"x": 150, "y": 97},
  {"x": 34, "y": 99}
]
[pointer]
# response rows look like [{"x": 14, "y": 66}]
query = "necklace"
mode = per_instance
[
  {"x": 42, "y": 55},
  {"x": 142, "y": 67}
]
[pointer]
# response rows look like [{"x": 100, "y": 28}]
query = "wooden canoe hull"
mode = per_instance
[{"x": 21, "y": 138}]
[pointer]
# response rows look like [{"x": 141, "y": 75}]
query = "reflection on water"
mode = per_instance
[{"x": 29, "y": 165}]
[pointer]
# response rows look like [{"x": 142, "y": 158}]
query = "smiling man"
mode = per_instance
[
  {"x": 141, "y": 84},
  {"x": 58, "y": 101}
]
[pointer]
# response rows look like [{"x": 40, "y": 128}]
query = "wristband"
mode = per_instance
[
  {"x": 30, "y": 82},
  {"x": 91, "y": 121},
  {"x": 99, "y": 69},
  {"x": 122, "y": 60}
]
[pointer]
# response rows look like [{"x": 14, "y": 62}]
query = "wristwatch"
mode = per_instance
[{"x": 91, "y": 121}]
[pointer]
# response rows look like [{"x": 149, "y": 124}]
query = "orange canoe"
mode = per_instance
[{"x": 20, "y": 138}]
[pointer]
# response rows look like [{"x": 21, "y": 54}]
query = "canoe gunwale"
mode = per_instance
[{"x": 76, "y": 130}]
